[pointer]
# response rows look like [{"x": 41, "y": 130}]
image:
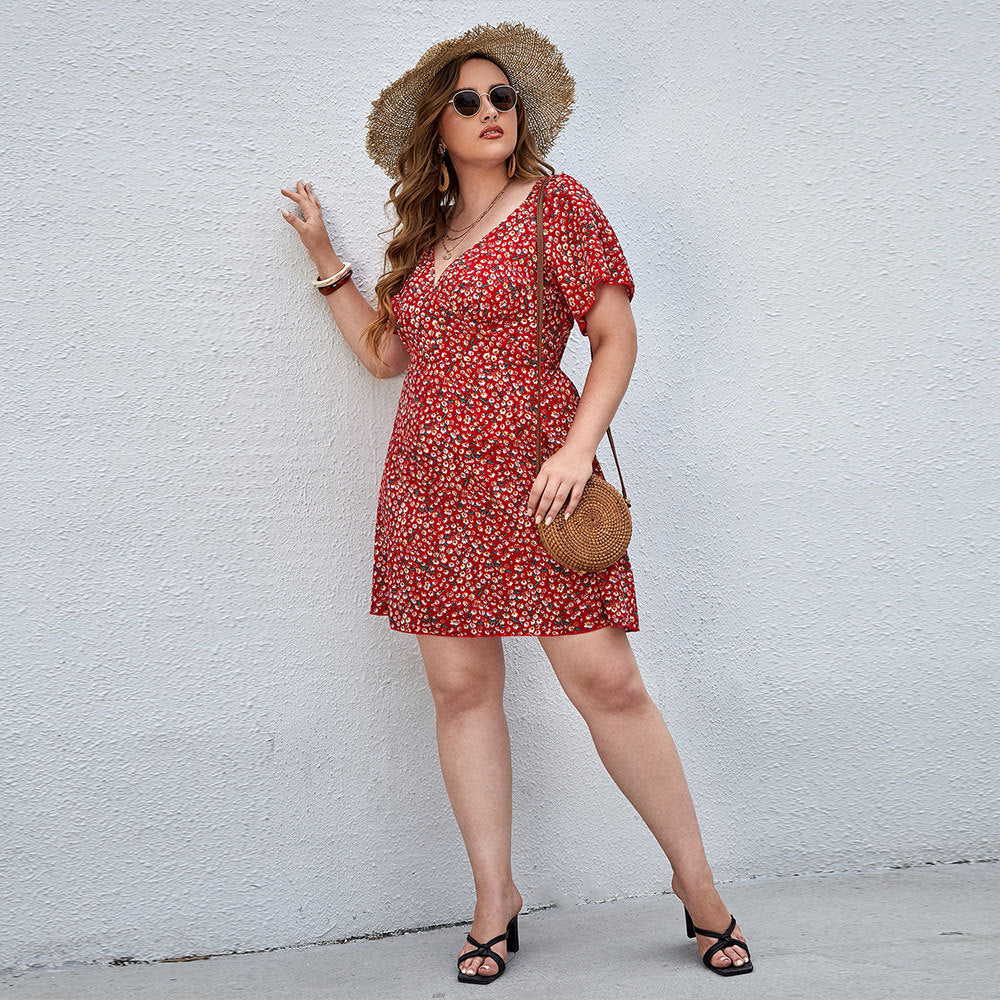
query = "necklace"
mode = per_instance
[{"x": 444, "y": 243}]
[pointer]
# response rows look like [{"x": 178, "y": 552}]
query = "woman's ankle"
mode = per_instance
[
  {"x": 500, "y": 894},
  {"x": 689, "y": 884}
]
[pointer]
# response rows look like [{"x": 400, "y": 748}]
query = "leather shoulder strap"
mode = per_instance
[{"x": 539, "y": 299}]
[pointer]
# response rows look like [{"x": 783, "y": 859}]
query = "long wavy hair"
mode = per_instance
[{"x": 421, "y": 209}]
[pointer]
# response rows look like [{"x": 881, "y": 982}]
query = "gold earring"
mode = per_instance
[
  {"x": 512, "y": 166},
  {"x": 444, "y": 181}
]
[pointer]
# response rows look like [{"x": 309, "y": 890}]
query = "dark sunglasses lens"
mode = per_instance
[
  {"x": 503, "y": 98},
  {"x": 466, "y": 102}
]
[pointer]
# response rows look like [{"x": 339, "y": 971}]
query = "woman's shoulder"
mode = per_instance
[
  {"x": 570, "y": 205},
  {"x": 566, "y": 195},
  {"x": 564, "y": 184}
]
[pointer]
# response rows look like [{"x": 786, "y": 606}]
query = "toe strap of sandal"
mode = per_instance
[
  {"x": 726, "y": 940},
  {"x": 484, "y": 951}
]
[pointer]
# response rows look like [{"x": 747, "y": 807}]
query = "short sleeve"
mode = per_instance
[{"x": 581, "y": 249}]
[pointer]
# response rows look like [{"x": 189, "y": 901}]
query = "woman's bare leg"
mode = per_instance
[
  {"x": 466, "y": 677},
  {"x": 599, "y": 674}
]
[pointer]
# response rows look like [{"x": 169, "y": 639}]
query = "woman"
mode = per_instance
[{"x": 457, "y": 559}]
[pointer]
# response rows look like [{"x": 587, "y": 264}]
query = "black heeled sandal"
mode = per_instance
[
  {"x": 485, "y": 951},
  {"x": 726, "y": 940}
]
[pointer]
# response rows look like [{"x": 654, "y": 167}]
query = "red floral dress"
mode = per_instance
[{"x": 456, "y": 552}]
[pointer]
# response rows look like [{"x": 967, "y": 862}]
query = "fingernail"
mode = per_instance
[
  {"x": 538, "y": 518},
  {"x": 548, "y": 520}
]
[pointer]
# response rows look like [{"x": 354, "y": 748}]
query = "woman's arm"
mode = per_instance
[
  {"x": 351, "y": 311},
  {"x": 563, "y": 475},
  {"x": 612, "y": 332}
]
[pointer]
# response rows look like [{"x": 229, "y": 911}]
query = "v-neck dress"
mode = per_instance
[{"x": 455, "y": 550}]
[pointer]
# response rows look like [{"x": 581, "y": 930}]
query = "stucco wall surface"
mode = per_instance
[{"x": 208, "y": 744}]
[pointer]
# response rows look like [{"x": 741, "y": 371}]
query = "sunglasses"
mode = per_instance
[{"x": 467, "y": 102}]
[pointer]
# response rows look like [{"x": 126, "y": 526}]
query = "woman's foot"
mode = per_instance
[
  {"x": 490, "y": 919},
  {"x": 707, "y": 910}
]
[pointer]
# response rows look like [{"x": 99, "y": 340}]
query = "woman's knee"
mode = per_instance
[
  {"x": 461, "y": 692},
  {"x": 597, "y": 669},
  {"x": 464, "y": 674},
  {"x": 609, "y": 687}
]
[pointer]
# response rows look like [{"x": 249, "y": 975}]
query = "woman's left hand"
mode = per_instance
[{"x": 560, "y": 479}]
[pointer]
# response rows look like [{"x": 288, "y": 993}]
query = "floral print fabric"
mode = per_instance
[{"x": 455, "y": 550}]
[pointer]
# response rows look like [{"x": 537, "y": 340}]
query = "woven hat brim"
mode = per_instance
[{"x": 534, "y": 66}]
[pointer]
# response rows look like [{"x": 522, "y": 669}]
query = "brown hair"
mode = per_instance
[{"x": 420, "y": 207}]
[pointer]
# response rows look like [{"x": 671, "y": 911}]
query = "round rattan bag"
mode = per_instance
[{"x": 597, "y": 533}]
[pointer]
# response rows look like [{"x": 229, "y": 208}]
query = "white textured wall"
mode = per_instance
[{"x": 208, "y": 744}]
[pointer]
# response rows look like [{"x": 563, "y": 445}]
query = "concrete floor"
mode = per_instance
[{"x": 919, "y": 933}]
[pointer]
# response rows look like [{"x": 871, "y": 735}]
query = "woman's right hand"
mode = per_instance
[{"x": 311, "y": 227}]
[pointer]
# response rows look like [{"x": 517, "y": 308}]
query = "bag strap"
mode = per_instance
[{"x": 539, "y": 298}]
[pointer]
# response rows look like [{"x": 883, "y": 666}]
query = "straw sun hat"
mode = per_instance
[{"x": 534, "y": 66}]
